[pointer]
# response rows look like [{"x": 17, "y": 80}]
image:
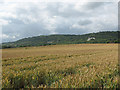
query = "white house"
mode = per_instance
[{"x": 91, "y": 38}]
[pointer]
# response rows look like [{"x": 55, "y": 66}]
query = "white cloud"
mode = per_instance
[
  {"x": 77, "y": 26},
  {"x": 5, "y": 36},
  {"x": 38, "y": 18},
  {"x": 7, "y": 15},
  {"x": 4, "y": 22},
  {"x": 27, "y": 18}
]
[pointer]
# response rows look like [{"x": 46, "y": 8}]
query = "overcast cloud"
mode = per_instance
[{"x": 20, "y": 20}]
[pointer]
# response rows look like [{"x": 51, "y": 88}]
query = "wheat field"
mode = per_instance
[{"x": 61, "y": 66}]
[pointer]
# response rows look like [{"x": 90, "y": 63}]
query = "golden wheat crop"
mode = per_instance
[{"x": 61, "y": 66}]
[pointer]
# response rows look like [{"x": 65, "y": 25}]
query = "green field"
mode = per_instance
[{"x": 61, "y": 66}]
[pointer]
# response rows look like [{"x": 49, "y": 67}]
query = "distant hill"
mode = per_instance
[{"x": 100, "y": 37}]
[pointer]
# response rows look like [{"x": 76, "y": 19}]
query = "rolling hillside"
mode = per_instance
[{"x": 100, "y": 37}]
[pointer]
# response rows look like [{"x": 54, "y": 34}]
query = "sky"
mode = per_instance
[{"x": 26, "y": 19}]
